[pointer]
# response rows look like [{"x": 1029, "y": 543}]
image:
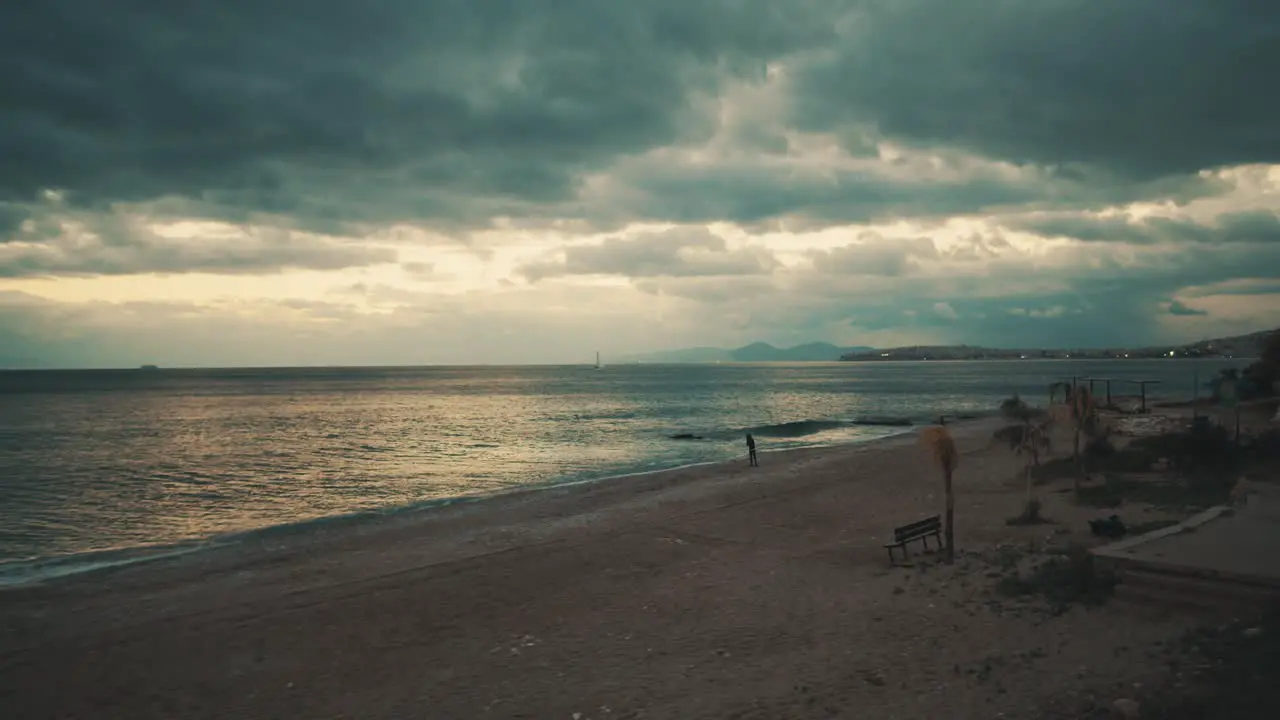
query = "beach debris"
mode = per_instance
[
  {"x": 874, "y": 678},
  {"x": 1127, "y": 708},
  {"x": 1110, "y": 527}
]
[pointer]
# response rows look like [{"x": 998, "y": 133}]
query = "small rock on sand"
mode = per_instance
[{"x": 1127, "y": 708}]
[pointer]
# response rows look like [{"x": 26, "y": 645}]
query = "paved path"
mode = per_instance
[{"x": 1244, "y": 544}]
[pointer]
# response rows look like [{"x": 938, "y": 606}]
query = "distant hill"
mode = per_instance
[
  {"x": 1239, "y": 346},
  {"x": 755, "y": 352}
]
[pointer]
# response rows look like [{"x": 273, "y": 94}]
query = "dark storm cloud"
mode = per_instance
[
  {"x": 109, "y": 245},
  {"x": 1246, "y": 286},
  {"x": 333, "y": 116},
  {"x": 679, "y": 252},
  {"x": 1177, "y": 307},
  {"x": 1134, "y": 89},
  {"x": 333, "y": 111},
  {"x": 752, "y": 195},
  {"x": 11, "y": 218},
  {"x": 1255, "y": 226}
]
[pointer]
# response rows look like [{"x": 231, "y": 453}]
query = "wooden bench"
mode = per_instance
[{"x": 922, "y": 531}]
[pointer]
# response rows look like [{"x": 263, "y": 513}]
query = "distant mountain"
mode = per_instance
[
  {"x": 755, "y": 352},
  {"x": 1239, "y": 346}
]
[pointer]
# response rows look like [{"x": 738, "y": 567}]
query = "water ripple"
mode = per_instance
[{"x": 99, "y": 461}]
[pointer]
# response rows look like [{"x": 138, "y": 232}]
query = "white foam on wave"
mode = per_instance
[{"x": 23, "y": 573}]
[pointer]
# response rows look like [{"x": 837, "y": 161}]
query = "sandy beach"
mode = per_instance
[{"x": 719, "y": 591}]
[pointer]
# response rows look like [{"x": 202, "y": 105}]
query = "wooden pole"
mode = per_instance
[
  {"x": 1143, "y": 385},
  {"x": 949, "y": 530},
  {"x": 1108, "y": 392}
]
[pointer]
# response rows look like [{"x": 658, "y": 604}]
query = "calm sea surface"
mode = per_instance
[{"x": 96, "y": 461}]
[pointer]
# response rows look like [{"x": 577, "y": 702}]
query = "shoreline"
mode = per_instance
[
  {"x": 698, "y": 593},
  {"x": 43, "y": 570}
]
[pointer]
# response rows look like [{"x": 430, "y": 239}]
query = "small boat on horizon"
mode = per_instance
[
  {"x": 149, "y": 368},
  {"x": 598, "y": 365}
]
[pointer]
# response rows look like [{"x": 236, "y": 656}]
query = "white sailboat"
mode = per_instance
[{"x": 598, "y": 365}]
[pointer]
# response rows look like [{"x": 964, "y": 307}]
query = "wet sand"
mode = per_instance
[{"x": 719, "y": 591}]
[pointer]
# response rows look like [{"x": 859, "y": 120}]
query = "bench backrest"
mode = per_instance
[{"x": 928, "y": 526}]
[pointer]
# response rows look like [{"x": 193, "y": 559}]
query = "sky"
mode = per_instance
[{"x": 331, "y": 182}]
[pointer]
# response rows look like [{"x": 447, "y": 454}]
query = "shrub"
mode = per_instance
[
  {"x": 1099, "y": 447},
  {"x": 1259, "y": 379},
  {"x": 1063, "y": 580},
  {"x": 1013, "y": 407},
  {"x": 1030, "y": 515},
  {"x": 1204, "y": 455},
  {"x": 1109, "y": 494},
  {"x": 1116, "y": 491}
]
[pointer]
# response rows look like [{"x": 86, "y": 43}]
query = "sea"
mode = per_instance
[{"x": 106, "y": 467}]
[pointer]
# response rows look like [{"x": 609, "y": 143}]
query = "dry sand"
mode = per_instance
[{"x": 711, "y": 592}]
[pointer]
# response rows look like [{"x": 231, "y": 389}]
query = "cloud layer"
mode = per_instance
[
  {"x": 1140, "y": 89},
  {"x": 862, "y": 171}
]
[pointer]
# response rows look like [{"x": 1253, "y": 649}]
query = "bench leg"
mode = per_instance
[
  {"x": 926, "y": 543},
  {"x": 890, "y": 550}
]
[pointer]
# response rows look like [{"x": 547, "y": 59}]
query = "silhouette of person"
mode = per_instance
[{"x": 751, "y": 450}]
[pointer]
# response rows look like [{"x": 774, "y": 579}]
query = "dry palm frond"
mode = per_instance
[
  {"x": 1082, "y": 404},
  {"x": 1062, "y": 414},
  {"x": 939, "y": 441},
  {"x": 1065, "y": 387},
  {"x": 1034, "y": 439}
]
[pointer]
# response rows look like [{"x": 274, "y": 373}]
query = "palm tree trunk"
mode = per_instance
[
  {"x": 1075, "y": 451},
  {"x": 1029, "y": 485},
  {"x": 949, "y": 529}
]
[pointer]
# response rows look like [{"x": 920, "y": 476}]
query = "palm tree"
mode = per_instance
[
  {"x": 943, "y": 448},
  {"x": 1035, "y": 437},
  {"x": 1083, "y": 412},
  {"x": 1027, "y": 438}
]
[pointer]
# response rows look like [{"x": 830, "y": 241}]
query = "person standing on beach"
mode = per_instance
[{"x": 751, "y": 450}]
